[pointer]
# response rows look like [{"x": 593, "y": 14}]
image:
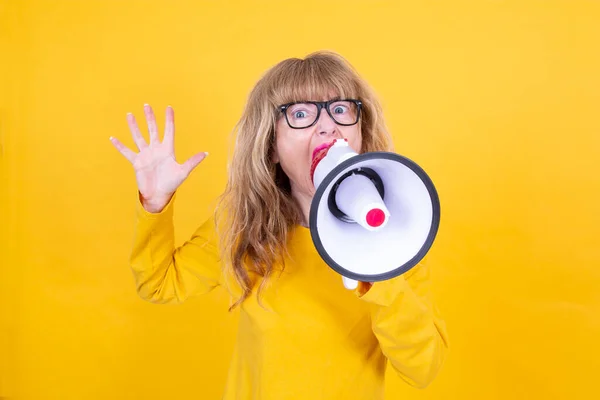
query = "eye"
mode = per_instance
[
  {"x": 339, "y": 109},
  {"x": 302, "y": 111}
]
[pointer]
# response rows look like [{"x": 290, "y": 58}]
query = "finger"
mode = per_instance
[
  {"x": 127, "y": 153},
  {"x": 349, "y": 284},
  {"x": 151, "y": 121},
  {"x": 193, "y": 162},
  {"x": 169, "y": 127},
  {"x": 135, "y": 132}
]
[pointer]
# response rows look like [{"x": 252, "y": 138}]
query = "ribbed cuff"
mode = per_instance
[{"x": 144, "y": 214}]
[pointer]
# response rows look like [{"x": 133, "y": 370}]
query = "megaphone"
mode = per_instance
[{"x": 374, "y": 215}]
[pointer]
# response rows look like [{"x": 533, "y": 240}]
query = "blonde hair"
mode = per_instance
[{"x": 256, "y": 212}]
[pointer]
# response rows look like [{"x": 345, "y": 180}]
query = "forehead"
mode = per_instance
[
  {"x": 315, "y": 88},
  {"x": 309, "y": 93},
  {"x": 318, "y": 99}
]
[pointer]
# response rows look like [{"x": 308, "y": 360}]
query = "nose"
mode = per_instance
[{"x": 326, "y": 125}]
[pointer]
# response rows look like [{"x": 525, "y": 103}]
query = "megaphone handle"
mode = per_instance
[{"x": 349, "y": 284}]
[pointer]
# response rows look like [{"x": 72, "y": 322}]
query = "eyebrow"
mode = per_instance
[{"x": 336, "y": 98}]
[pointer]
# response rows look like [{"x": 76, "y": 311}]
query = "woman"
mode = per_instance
[{"x": 302, "y": 335}]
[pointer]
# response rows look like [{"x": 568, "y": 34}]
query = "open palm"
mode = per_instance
[{"x": 157, "y": 173}]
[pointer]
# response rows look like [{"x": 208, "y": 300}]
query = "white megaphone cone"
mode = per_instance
[
  {"x": 358, "y": 198},
  {"x": 356, "y": 195},
  {"x": 374, "y": 215}
]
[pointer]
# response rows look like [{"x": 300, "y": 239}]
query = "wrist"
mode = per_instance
[{"x": 155, "y": 205}]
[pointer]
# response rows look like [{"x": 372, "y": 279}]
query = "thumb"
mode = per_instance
[
  {"x": 192, "y": 162},
  {"x": 349, "y": 284}
]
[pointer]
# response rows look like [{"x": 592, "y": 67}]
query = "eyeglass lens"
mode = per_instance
[{"x": 301, "y": 115}]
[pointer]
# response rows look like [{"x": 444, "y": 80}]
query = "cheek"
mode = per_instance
[
  {"x": 354, "y": 138},
  {"x": 291, "y": 150},
  {"x": 358, "y": 145},
  {"x": 281, "y": 141}
]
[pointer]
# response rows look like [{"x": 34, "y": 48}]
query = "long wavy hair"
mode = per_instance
[{"x": 256, "y": 211}]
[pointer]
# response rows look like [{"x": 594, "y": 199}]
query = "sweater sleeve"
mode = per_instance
[
  {"x": 407, "y": 325},
  {"x": 164, "y": 273}
]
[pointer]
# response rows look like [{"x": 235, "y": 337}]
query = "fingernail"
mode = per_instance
[
  {"x": 206, "y": 153},
  {"x": 110, "y": 138}
]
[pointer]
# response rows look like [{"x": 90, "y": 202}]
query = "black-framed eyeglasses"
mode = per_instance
[{"x": 304, "y": 114}]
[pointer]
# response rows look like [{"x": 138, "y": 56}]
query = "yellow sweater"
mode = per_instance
[{"x": 314, "y": 339}]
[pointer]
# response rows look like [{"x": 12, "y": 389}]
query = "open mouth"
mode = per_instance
[
  {"x": 318, "y": 153},
  {"x": 321, "y": 147}
]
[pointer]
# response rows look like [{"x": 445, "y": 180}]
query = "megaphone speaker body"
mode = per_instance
[{"x": 374, "y": 216}]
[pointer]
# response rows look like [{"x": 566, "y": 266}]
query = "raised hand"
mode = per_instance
[{"x": 157, "y": 173}]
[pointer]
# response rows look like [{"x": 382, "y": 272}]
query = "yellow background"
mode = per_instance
[{"x": 498, "y": 100}]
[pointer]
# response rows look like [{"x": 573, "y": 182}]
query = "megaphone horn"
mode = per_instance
[{"x": 374, "y": 215}]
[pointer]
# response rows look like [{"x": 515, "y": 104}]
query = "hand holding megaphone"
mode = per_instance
[{"x": 374, "y": 215}]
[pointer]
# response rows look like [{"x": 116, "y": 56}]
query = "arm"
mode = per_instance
[
  {"x": 165, "y": 274},
  {"x": 407, "y": 325}
]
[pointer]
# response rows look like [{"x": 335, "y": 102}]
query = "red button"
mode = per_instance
[{"x": 375, "y": 217}]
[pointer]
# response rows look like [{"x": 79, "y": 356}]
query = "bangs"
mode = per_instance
[{"x": 316, "y": 79}]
